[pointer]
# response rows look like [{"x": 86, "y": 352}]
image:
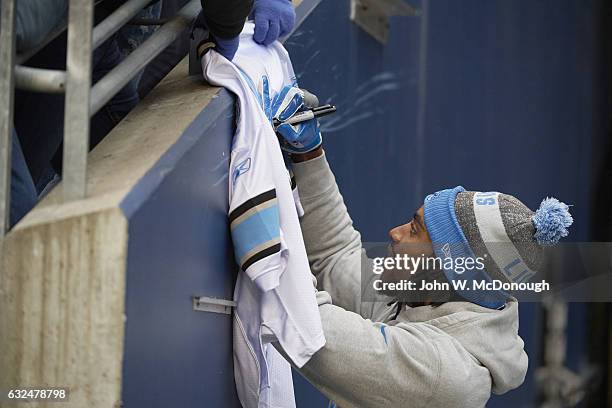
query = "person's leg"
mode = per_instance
[
  {"x": 130, "y": 37},
  {"x": 23, "y": 191},
  {"x": 105, "y": 59},
  {"x": 157, "y": 69}
]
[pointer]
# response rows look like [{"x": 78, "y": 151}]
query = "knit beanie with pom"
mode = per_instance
[{"x": 496, "y": 228}]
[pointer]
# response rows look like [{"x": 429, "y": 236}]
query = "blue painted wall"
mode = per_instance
[{"x": 179, "y": 247}]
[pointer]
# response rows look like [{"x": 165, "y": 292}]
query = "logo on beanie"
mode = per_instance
[
  {"x": 432, "y": 196},
  {"x": 447, "y": 251},
  {"x": 486, "y": 198}
]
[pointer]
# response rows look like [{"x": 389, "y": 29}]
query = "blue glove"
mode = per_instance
[
  {"x": 273, "y": 19},
  {"x": 227, "y": 46},
  {"x": 301, "y": 137}
]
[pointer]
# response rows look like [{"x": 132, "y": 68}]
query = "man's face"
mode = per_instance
[{"x": 411, "y": 239}]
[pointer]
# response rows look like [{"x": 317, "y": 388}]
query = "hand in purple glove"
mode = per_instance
[
  {"x": 227, "y": 46},
  {"x": 273, "y": 19}
]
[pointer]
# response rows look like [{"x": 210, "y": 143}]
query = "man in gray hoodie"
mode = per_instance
[{"x": 450, "y": 354}]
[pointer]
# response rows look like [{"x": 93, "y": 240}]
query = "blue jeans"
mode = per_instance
[
  {"x": 105, "y": 59},
  {"x": 35, "y": 19},
  {"x": 23, "y": 191}
]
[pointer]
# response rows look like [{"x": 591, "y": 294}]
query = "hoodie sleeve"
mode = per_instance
[{"x": 333, "y": 245}]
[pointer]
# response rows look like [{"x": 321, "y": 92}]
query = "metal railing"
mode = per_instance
[{"x": 75, "y": 81}]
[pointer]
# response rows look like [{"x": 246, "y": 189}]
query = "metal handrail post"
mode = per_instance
[
  {"x": 78, "y": 91},
  {"x": 7, "y": 56}
]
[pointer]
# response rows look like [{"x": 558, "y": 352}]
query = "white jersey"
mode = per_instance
[{"x": 275, "y": 299}]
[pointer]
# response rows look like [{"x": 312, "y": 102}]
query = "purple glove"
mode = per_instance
[
  {"x": 227, "y": 46},
  {"x": 273, "y": 19}
]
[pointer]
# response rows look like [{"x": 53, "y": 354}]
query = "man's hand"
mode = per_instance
[
  {"x": 298, "y": 138},
  {"x": 273, "y": 19}
]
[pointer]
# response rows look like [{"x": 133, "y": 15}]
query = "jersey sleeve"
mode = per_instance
[{"x": 259, "y": 247}]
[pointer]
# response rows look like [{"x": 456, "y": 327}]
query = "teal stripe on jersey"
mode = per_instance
[{"x": 256, "y": 230}]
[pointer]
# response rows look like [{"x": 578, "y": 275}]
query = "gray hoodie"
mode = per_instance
[{"x": 453, "y": 355}]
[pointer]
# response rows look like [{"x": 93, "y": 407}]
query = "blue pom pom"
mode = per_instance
[{"x": 551, "y": 221}]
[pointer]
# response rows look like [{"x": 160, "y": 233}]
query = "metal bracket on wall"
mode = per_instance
[
  {"x": 214, "y": 305},
  {"x": 373, "y": 15}
]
